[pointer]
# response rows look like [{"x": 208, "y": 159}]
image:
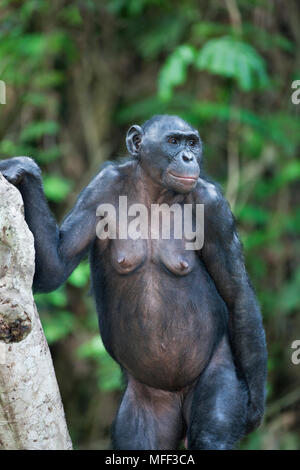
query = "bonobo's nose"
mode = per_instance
[{"x": 187, "y": 158}]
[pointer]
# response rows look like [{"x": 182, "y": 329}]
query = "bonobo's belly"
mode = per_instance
[{"x": 161, "y": 317}]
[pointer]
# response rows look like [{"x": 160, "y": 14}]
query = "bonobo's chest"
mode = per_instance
[
  {"x": 164, "y": 235},
  {"x": 128, "y": 256}
]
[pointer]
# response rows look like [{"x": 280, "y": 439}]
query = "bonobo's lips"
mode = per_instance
[{"x": 186, "y": 179}]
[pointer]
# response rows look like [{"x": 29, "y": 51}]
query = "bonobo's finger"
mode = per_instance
[
  {"x": 28, "y": 165},
  {"x": 14, "y": 174},
  {"x": 5, "y": 166},
  {"x": 14, "y": 169}
]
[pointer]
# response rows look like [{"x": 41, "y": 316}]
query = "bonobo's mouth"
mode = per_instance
[{"x": 184, "y": 178}]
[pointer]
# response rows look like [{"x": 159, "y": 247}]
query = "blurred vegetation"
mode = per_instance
[{"x": 79, "y": 73}]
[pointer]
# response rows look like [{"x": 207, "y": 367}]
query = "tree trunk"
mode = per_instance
[{"x": 31, "y": 410}]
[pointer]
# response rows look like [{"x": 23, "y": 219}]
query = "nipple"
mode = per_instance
[
  {"x": 184, "y": 265},
  {"x": 122, "y": 261}
]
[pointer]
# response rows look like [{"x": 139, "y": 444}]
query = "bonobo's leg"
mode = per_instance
[
  {"x": 148, "y": 419},
  {"x": 215, "y": 409}
]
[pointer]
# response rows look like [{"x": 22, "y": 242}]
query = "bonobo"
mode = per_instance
[{"x": 184, "y": 325}]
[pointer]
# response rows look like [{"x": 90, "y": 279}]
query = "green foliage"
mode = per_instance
[
  {"x": 57, "y": 321},
  {"x": 36, "y": 130},
  {"x": 267, "y": 40},
  {"x": 225, "y": 56},
  {"x": 57, "y": 298},
  {"x": 229, "y": 57},
  {"x": 206, "y": 29},
  {"x": 56, "y": 188},
  {"x": 59, "y": 326},
  {"x": 81, "y": 275},
  {"x": 71, "y": 14},
  {"x": 30, "y": 50},
  {"x": 109, "y": 375},
  {"x": 163, "y": 34},
  {"x": 252, "y": 442},
  {"x": 131, "y": 7},
  {"x": 289, "y": 299},
  {"x": 252, "y": 214},
  {"x": 175, "y": 70}
]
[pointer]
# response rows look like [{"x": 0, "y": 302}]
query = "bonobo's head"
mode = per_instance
[{"x": 169, "y": 150}]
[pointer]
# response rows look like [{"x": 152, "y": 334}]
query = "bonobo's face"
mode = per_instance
[{"x": 169, "y": 150}]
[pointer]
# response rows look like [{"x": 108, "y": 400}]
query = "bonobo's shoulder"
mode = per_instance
[
  {"x": 116, "y": 171},
  {"x": 108, "y": 171},
  {"x": 102, "y": 185},
  {"x": 209, "y": 193},
  {"x": 216, "y": 207}
]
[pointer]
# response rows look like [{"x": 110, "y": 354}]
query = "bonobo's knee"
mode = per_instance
[
  {"x": 209, "y": 441},
  {"x": 217, "y": 433},
  {"x": 219, "y": 410}
]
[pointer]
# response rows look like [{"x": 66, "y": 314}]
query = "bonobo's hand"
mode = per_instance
[{"x": 17, "y": 168}]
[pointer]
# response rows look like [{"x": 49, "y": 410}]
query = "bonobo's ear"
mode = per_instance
[{"x": 134, "y": 139}]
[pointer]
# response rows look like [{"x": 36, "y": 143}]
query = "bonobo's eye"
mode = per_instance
[
  {"x": 173, "y": 140},
  {"x": 192, "y": 142}
]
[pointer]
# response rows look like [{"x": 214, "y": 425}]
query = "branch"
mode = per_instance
[
  {"x": 235, "y": 15},
  {"x": 31, "y": 410}
]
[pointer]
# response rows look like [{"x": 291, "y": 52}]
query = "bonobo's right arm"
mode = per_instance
[{"x": 58, "y": 251}]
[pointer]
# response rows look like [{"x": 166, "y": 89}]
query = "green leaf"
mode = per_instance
[
  {"x": 230, "y": 57},
  {"x": 49, "y": 78},
  {"x": 81, "y": 275},
  {"x": 155, "y": 40},
  {"x": 56, "y": 298},
  {"x": 36, "y": 99},
  {"x": 49, "y": 154},
  {"x": 209, "y": 28},
  {"x": 91, "y": 349},
  {"x": 35, "y": 130},
  {"x": 291, "y": 172},
  {"x": 58, "y": 326},
  {"x": 252, "y": 214},
  {"x": 109, "y": 373},
  {"x": 57, "y": 188},
  {"x": 174, "y": 71},
  {"x": 71, "y": 15},
  {"x": 7, "y": 147}
]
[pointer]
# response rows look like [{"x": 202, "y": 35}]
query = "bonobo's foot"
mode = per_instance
[{"x": 15, "y": 169}]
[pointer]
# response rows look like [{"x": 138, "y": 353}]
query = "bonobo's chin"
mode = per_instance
[{"x": 182, "y": 184}]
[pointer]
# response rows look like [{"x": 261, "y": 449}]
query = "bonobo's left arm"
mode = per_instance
[
  {"x": 223, "y": 257},
  {"x": 58, "y": 249}
]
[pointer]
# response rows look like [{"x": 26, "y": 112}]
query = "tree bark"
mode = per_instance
[{"x": 31, "y": 410}]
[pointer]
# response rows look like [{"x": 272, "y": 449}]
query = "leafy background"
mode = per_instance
[{"x": 79, "y": 73}]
